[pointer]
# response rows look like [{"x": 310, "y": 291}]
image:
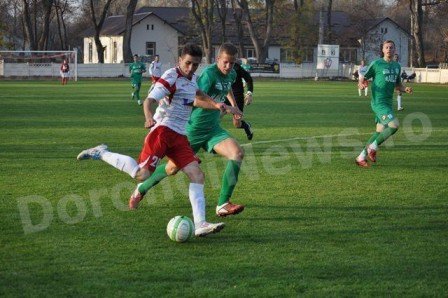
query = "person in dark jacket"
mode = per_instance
[{"x": 242, "y": 98}]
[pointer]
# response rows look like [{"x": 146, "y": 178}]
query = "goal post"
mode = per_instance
[{"x": 31, "y": 64}]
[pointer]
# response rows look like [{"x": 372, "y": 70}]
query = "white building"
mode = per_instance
[
  {"x": 380, "y": 30},
  {"x": 151, "y": 36}
]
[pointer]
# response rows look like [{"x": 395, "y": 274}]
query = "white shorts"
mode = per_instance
[{"x": 65, "y": 74}]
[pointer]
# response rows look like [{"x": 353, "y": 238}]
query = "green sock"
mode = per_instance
[
  {"x": 373, "y": 137},
  {"x": 158, "y": 175},
  {"x": 387, "y": 132},
  {"x": 229, "y": 180}
]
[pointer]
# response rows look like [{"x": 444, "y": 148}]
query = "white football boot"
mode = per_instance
[
  {"x": 93, "y": 153},
  {"x": 206, "y": 228}
]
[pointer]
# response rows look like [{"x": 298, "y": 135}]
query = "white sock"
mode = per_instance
[
  {"x": 362, "y": 155},
  {"x": 359, "y": 92},
  {"x": 366, "y": 91},
  {"x": 122, "y": 162},
  {"x": 197, "y": 200},
  {"x": 399, "y": 101},
  {"x": 374, "y": 146}
]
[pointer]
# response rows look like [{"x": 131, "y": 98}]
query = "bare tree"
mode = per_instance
[
  {"x": 329, "y": 9},
  {"x": 238, "y": 16},
  {"x": 47, "y": 6},
  {"x": 127, "y": 52},
  {"x": 203, "y": 14},
  {"x": 98, "y": 25},
  {"x": 261, "y": 47},
  {"x": 28, "y": 26},
  {"x": 222, "y": 12}
]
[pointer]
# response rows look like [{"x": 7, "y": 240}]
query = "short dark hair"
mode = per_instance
[
  {"x": 382, "y": 45},
  {"x": 192, "y": 50},
  {"x": 228, "y": 48},
  {"x": 135, "y": 55}
]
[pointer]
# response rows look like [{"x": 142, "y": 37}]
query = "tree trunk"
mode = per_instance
[
  {"x": 417, "y": 31},
  {"x": 329, "y": 33},
  {"x": 98, "y": 27},
  {"x": 127, "y": 51},
  {"x": 222, "y": 12},
  {"x": 260, "y": 50},
  {"x": 47, "y": 6},
  {"x": 203, "y": 13},
  {"x": 238, "y": 15},
  {"x": 29, "y": 31}
]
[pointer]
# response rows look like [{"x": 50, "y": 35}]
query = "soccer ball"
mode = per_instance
[{"x": 180, "y": 228}]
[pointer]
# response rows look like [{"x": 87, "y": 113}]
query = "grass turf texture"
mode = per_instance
[{"x": 315, "y": 224}]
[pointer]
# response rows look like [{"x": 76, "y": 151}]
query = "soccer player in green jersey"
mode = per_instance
[
  {"x": 136, "y": 69},
  {"x": 386, "y": 79},
  {"x": 204, "y": 129}
]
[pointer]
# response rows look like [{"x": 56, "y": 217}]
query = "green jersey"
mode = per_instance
[
  {"x": 217, "y": 86},
  {"x": 386, "y": 76},
  {"x": 136, "y": 69}
]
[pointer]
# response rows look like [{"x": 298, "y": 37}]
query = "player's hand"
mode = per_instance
[
  {"x": 408, "y": 90},
  {"x": 150, "y": 123},
  {"x": 363, "y": 84},
  {"x": 237, "y": 114},
  {"x": 248, "y": 99}
]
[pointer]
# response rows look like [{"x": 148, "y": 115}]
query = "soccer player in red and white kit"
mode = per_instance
[{"x": 176, "y": 92}]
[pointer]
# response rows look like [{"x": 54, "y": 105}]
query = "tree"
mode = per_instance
[
  {"x": 98, "y": 26},
  {"x": 415, "y": 6},
  {"x": 261, "y": 47},
  {"x": 127, "y": 52},
  {"x": 329, "y": 9},
  {"x": 203, "y": 13},
  {"x": 222, "y": 13},
  {"x": 238, "y": 16},
  {"x": 47, "y": 6}
]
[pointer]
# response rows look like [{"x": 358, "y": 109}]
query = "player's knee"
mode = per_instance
[
  {"x": 196, "y": 175},
  {"x": 238, "y": 155},
  {"x": 142, "y": 174},
  {"x": 171, "y": 169},
  {"x": 394, "y": 124}
]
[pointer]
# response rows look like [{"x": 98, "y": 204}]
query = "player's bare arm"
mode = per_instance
[
  {"x": 403, "y": 88},
  {"x": 362, "y": 82},
  {"x": 149, "y": 120}
]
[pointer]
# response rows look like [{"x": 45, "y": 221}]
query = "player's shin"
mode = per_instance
[
  {"x": 385, "y": 134},
  {"x": 229, "y": 180},
  {"x": 197, "y": 200},
  {"x": 158, "y": 175}
]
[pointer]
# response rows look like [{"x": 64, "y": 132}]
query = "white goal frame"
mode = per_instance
[{"x": 54, "y": 67}]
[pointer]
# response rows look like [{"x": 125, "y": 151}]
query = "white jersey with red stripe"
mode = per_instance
[{"x": 175, "y": 94}]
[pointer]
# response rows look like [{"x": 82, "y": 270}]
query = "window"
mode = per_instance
[
  {"x": 286, "y": 56},
  {"x": 307, "y": 55},
  {"x": 150, "y": 48},
  {"x": 384, "y": 30},
  {"x": 348, "y": 55},
  {"x": 105, "y": 53},
  {"x": 90, "y": 52},
  {"x": 250, "y": 53},
  {"x": 147, "y": 26},
  {"x": 152, "y": 27}
]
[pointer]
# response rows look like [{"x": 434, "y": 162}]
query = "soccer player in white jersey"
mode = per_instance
[
  {"x": 176, "y": 92},
  {"x": 155, "y": 69}
]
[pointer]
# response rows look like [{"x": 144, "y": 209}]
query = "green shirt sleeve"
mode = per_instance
[
  {"x": 370, "y": 73},
  {"x": 205, "y": 83}
]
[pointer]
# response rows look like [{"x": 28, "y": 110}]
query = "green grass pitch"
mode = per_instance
[{"x": 314, "y": 224}]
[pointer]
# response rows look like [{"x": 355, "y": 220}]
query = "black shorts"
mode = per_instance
[{"x": 239, "y": 102}]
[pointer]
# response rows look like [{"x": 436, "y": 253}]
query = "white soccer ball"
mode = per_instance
[{"x": 180, "y": 228}]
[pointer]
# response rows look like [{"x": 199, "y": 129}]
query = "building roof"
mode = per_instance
[
  {"x": 372, "y": 23},
  {"x": 115, "y": 25}
]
